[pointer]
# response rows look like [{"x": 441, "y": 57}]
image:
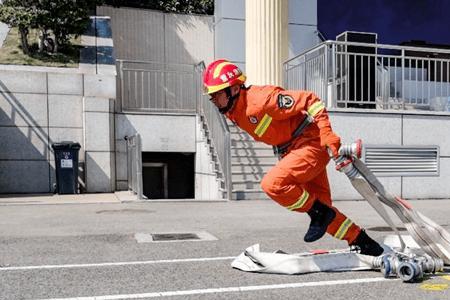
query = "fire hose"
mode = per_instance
[
  {"x": 411, "y": 263},
  {"x": 408, "y": 267},
  {"x": 431, "y": 237}
]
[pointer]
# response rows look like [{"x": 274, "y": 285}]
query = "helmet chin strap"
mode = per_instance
[{"x": 231, "y": 100}]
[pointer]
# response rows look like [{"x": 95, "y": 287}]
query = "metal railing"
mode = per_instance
[
  {"x": 134, "y": 164},
  {"x": 148, "y": 86},
  {"x": 218, "y": 131},
  {"x": 360, "y": 75},
  {"x": 154, "y": 87}
]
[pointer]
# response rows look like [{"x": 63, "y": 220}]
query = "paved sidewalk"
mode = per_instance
[
  {"x": 116, "y": 197},
  {"x": 27, "y": 199}
]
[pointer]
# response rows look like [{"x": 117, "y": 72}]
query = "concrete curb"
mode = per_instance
[{"x": 50, "y": 199}]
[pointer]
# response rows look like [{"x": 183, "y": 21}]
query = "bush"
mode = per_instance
[
  {"x": 60, "y": 18},
  {"x": 177, "y": 6}
]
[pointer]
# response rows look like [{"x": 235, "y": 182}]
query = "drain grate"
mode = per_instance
[
  {"x": 126, "y": 211},
  {"x": 196, "y": 236},
  {"x": 174, "y": 236}
]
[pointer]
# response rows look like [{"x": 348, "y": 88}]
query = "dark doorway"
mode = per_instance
[
  {"x": 168, "y": 175},
  {"x": 155, "y": 174}
]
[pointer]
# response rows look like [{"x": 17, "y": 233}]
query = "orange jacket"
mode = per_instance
[{"x": 270, "y": 114}]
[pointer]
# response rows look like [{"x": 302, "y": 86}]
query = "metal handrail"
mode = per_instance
[
  {"x": 134, "y": 165},
  {"x": 386, "y": 77},
  {"x": 150, "y": 86},
  {"x": 218, "y": 130},
  {"x": 381, "y": 46},
  {"x": 155, "y": 87}
]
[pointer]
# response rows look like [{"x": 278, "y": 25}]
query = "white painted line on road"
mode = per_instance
[
  {"x": 228, "y": 289},
  {"x": 116, "y": 264}
]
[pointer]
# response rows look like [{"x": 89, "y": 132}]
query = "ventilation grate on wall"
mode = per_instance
[{"x": 402, "y": 160}]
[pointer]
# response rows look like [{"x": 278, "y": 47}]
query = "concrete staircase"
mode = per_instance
[
  {"x": 214, "y": 160},
  {"x": 250, "y": 161}
]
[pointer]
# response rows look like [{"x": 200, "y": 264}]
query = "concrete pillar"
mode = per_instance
[{"x": 266, "y": 40}]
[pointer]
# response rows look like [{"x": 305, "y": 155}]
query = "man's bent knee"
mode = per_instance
[{"x": 272, "y": 186}]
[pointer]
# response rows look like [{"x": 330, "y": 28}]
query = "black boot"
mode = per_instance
[
  {"x": 321, "y": 216},
  {"x": 366, "y": 245}
]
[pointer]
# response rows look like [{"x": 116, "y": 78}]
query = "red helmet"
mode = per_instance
[{"x": 221, "y": 74}]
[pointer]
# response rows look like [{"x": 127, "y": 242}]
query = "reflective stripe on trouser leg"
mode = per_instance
[
  {"x": 343, "y": 228},
  {"x": 292, "y": 197},
  {"x": 300, "y": 203},
  {"x": 286, "y": 192},
  {"x": 301, "y": 169}
]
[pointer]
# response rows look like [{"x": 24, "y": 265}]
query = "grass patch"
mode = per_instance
[{"x": 11, "y": 52}]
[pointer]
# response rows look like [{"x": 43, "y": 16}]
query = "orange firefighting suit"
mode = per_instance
[{"x": 270, "y": 115}]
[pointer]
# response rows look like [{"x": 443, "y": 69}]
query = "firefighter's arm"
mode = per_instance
[
  {"x": 284, "y": 104},
  {"x": 327, "y": 136}
]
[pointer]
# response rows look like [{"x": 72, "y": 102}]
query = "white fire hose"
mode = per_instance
[
  {"x": 426, "y": 253},
  {"x": 431, "y": 237}
]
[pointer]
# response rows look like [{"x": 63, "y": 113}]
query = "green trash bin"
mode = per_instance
[{"x": 66, "y": 163}]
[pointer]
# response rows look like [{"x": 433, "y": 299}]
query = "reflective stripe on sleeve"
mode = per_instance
[
  {"x": 315, "y": 108},
  {"x": 263, "y": 125},
  {"x": 342, "y": 231},
  {"x": 300, "y": 202}
]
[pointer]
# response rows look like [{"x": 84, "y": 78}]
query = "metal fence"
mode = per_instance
[
  {"x": 360, "y": 75},
  {"x": 134, "y": 164},
  {"x": 174, "y": 88},
  {"x": 156, "y": 87}
]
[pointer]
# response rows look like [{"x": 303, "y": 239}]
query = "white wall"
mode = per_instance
[
  {"x": 395, "y": 128},
  {"x": 143, "y": 34}
]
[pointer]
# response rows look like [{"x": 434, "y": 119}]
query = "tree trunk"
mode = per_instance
[
  {"x": 42, "y": 36},
  {"x": 55, "y": 50},
  {"x": 24, "y": 40}
]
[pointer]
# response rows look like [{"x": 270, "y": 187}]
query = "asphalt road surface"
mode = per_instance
[{"x": 103, "y": 251}]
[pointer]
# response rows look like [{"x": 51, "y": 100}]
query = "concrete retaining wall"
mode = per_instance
[
  {"x": 41, "y": 108},
  {"x": 42, "y": 105}
]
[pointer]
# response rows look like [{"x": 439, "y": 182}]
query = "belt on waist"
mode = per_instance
[{"x": 281, "y": 149}]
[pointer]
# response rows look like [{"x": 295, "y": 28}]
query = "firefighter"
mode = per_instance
[{"x": 299, "y": 180}]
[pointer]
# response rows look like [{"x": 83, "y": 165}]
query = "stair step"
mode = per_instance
[
  {"x": 249, "y": 144},
  {"x": 249, "y": 195},
  {"x": 252, "y": 152},
  {"x": 246, "y": 138},
  {"x": 250, "y": 161},
  {"x": 234, "y": 128},
  {"x": 246, "y": 184},
  {"x": 253, "y": 160},
  {"x": 244, "y": 177},
  {"x": 239, "y": 169}
]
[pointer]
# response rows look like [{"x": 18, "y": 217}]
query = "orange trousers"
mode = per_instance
[{"x": 299, "y": 179}]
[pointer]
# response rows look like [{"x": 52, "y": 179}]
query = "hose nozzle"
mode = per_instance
[{"x": 351, "y": 150}]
